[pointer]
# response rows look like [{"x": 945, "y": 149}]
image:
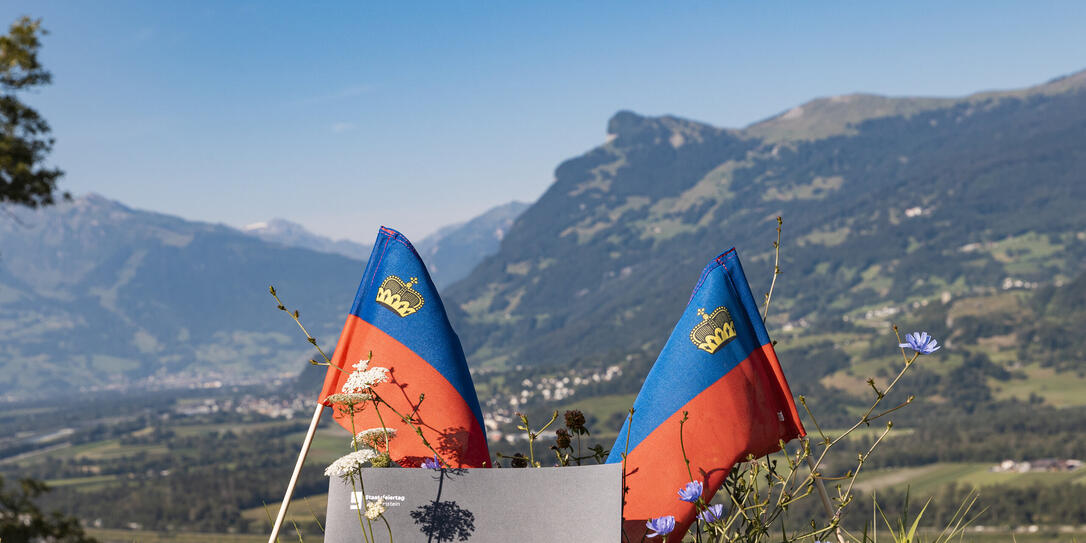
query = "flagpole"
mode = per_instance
[
  {"x": 822, "y": 492},
  {"x": 297, "y": 469}
]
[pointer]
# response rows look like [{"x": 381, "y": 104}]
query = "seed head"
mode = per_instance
[
  {"x": 562, "y": 438},
  {"x": 575, "y": 420}
]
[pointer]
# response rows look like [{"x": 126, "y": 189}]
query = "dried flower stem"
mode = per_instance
[
  {"x": 776, "y": 269},
  {"x": 533, "y": 435},
  {"x": 866, "y": 418},
  {"x": 847, "y": 496},
  {"x": 682, "y": 447},
  {"x": 388, "y": 443},
  {"x": 625, "y": 489},
  {"x": 312, "y": 340},
  {"x": 410, "y": 422},
  {"x": 903, "y": 355},
  {"x": 387, "y": 526},
  {"x": 362, "y": 502},
  {"x": 815, "y": 476}
]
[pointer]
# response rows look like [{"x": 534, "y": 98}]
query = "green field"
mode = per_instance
[
  {"x": 146, "y": 536},
  {"x": 873, "y": 431},
  {"x": 1059, "y": 389},
  {"x": 94, "y": 481},
  {"x": 329, "y": 444},
  {"x": 236, "y": 427},
  {"x": 302, "y": 510},
  {"x": 925, "y": 480}
]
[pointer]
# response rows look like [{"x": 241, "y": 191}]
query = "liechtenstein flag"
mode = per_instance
[
  {"x": 719, "y": 366},
  {"x": 398, "y": 316}
]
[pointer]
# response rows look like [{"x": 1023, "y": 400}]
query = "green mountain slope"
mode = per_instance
[
  {"x": 952, "y": 199},
  {"x": 94, "y": 294}
]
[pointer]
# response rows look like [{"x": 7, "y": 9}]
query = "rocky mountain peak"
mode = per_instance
[{"x": 627, "y": 127}]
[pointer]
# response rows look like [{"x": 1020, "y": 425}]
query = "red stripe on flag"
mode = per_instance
[
  {"x": 446, "y": 420},
  {"x": 746, "y": 412}
]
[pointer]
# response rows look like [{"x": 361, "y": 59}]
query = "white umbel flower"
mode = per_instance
[
  {"x": 350, "y": 464},
  {"x": 349, "y": 399},
  {"x": 375, "y": 509},
  {"x": 362, "y": 379},
  {"x": 374, "y": 437}
]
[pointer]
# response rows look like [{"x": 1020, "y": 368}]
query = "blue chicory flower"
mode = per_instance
[
  {"x": 920, "y": 342},
  {"x": 432, "y": 463},
  {"x": 691, "y": 492},
  {"x": 712, "y": 513},
  {"x": 661, "y": 526}
]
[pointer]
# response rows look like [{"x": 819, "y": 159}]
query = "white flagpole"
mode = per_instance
[
  {"x": 297, "y": 470},
  {"x": 825, "y": 496}
]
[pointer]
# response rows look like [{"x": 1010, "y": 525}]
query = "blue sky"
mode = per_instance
[{"x": 345, "y": 116}]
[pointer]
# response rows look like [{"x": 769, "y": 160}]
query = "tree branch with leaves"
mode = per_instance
[{"x": 25, "y": 140}]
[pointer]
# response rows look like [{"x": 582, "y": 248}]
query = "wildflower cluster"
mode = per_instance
[
  {"x": 753, "y": 496},
  {"x": 363, "y": 379},
  {"x": 375, "y": 509},
  {"x": 351, "y": 464},
  {"x": 371, "y": 446},
  {"x": 757, "y": 492},
  {"x": 375, "y": 438},
  {"x": 353, "y": 399}
]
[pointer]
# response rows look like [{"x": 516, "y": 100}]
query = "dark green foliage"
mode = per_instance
[
  {"x": 202, "y": 484},
  {"x": 1047, "y": 505},
  {"x": 1002, "y": 506},
  {"x": 1005, "y": 430},
  {"x": 22, "y": 521},
  {"x": 1055, "y": 337},
  {"x": 805, "y": 367},
  {"x": 24, "y": 134}
]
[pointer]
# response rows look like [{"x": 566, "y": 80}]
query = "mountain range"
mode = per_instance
[
  {"x": 96, "y": 294},
  {"x": 911, "y": 210},
  {"x": 292, "y": 234},
  {"x": 933, "y": 211},
  {"x": 450, "y": 252}
]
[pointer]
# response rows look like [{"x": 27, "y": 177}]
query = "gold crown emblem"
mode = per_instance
[
  {"x": 399, "y": 296},
  {"x": 714, "y": 330}
]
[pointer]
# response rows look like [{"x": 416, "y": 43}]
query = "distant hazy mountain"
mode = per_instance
[
  {"x": 96, "y": 294},
  {"x": 93, "y": 294},
  {"x": 450, "y": 253},
  {"x": 453, "y": 251},
  {"x": 293, "y": 234}
]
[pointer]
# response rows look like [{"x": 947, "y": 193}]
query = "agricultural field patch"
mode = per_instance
[
  {"x": 926, "y": 480},
  {"x": 1059, "y": 389}
]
